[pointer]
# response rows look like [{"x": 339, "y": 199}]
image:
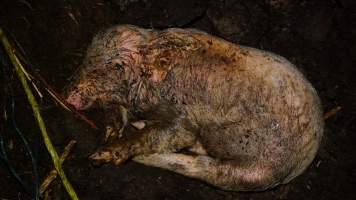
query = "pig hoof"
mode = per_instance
[
  {"x": 101, "y": 157},
  {"x": 116, "y": 155},
  {"x": 111, "y": 133}
]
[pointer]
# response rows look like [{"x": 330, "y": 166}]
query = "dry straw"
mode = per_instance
[{"x": 36, "y": 111}]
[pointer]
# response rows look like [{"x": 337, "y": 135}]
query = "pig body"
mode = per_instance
[{"x": 255, "y": 118}]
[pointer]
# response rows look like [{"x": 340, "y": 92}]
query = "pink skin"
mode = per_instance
[
  {"x": 75, "y": 99},
  {"x": 98, "y": 80},
  {"x": 127, "y": 66}
]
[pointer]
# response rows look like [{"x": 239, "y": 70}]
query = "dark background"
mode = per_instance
[{"x": 316, "y": 35}]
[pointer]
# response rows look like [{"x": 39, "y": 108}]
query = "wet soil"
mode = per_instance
[{"x": 319, "y": 36}]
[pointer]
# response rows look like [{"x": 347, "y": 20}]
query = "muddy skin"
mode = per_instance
[{"x": 253, "y": 116}]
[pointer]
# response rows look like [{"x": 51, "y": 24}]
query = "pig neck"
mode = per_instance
[{"x": 142, "y": 94}]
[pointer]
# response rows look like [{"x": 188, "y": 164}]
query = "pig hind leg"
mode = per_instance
[{"x": 227, "y": 175}]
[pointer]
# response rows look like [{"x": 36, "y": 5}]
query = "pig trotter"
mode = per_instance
[
  {"x": 118, "y": 120},
  {"x": 155, "y": 139},
  {"x": 116, "y": 154}
]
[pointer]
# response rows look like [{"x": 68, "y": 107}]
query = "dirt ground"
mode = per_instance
[{"x": 319, "y": 36}]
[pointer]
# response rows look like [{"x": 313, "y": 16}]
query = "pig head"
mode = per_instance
[{"x": 109, "y": 70}]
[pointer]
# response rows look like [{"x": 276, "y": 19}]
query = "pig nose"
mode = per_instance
[
  {"x": 75, "y": 100},
  {"x": 80, "y": 101}
]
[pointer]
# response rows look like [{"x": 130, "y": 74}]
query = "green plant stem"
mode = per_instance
[{"x": 36, "y": 111}]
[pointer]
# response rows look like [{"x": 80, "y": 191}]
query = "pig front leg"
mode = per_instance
[
  {"x": 117, "y": 119},
  {"x": 157, "y": 138}
]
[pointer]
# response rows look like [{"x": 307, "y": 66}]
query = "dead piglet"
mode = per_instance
[{"x": 250, "y": 118}]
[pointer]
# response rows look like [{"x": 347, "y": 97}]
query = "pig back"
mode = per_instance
[{"x": 249, "y": 105}]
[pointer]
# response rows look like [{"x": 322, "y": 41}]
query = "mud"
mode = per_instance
[{"x": 317, "y": 36}]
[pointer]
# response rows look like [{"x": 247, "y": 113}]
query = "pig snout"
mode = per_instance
[{"x": 79, "y": 101}]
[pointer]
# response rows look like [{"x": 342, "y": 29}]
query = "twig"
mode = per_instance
[
  {"x": 28, "y": 76},
  {"x": 33, "y": 191},
  {"x": 63, "y": 103},
  {"x": 57, "y": 97},
  {"x": 37, "y": 114},
  {"x": 53, "y": 173},
  {"x": 331, "y": 112}
]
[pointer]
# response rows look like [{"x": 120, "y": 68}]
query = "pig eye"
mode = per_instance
[{"x": 119, "y": 67}]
